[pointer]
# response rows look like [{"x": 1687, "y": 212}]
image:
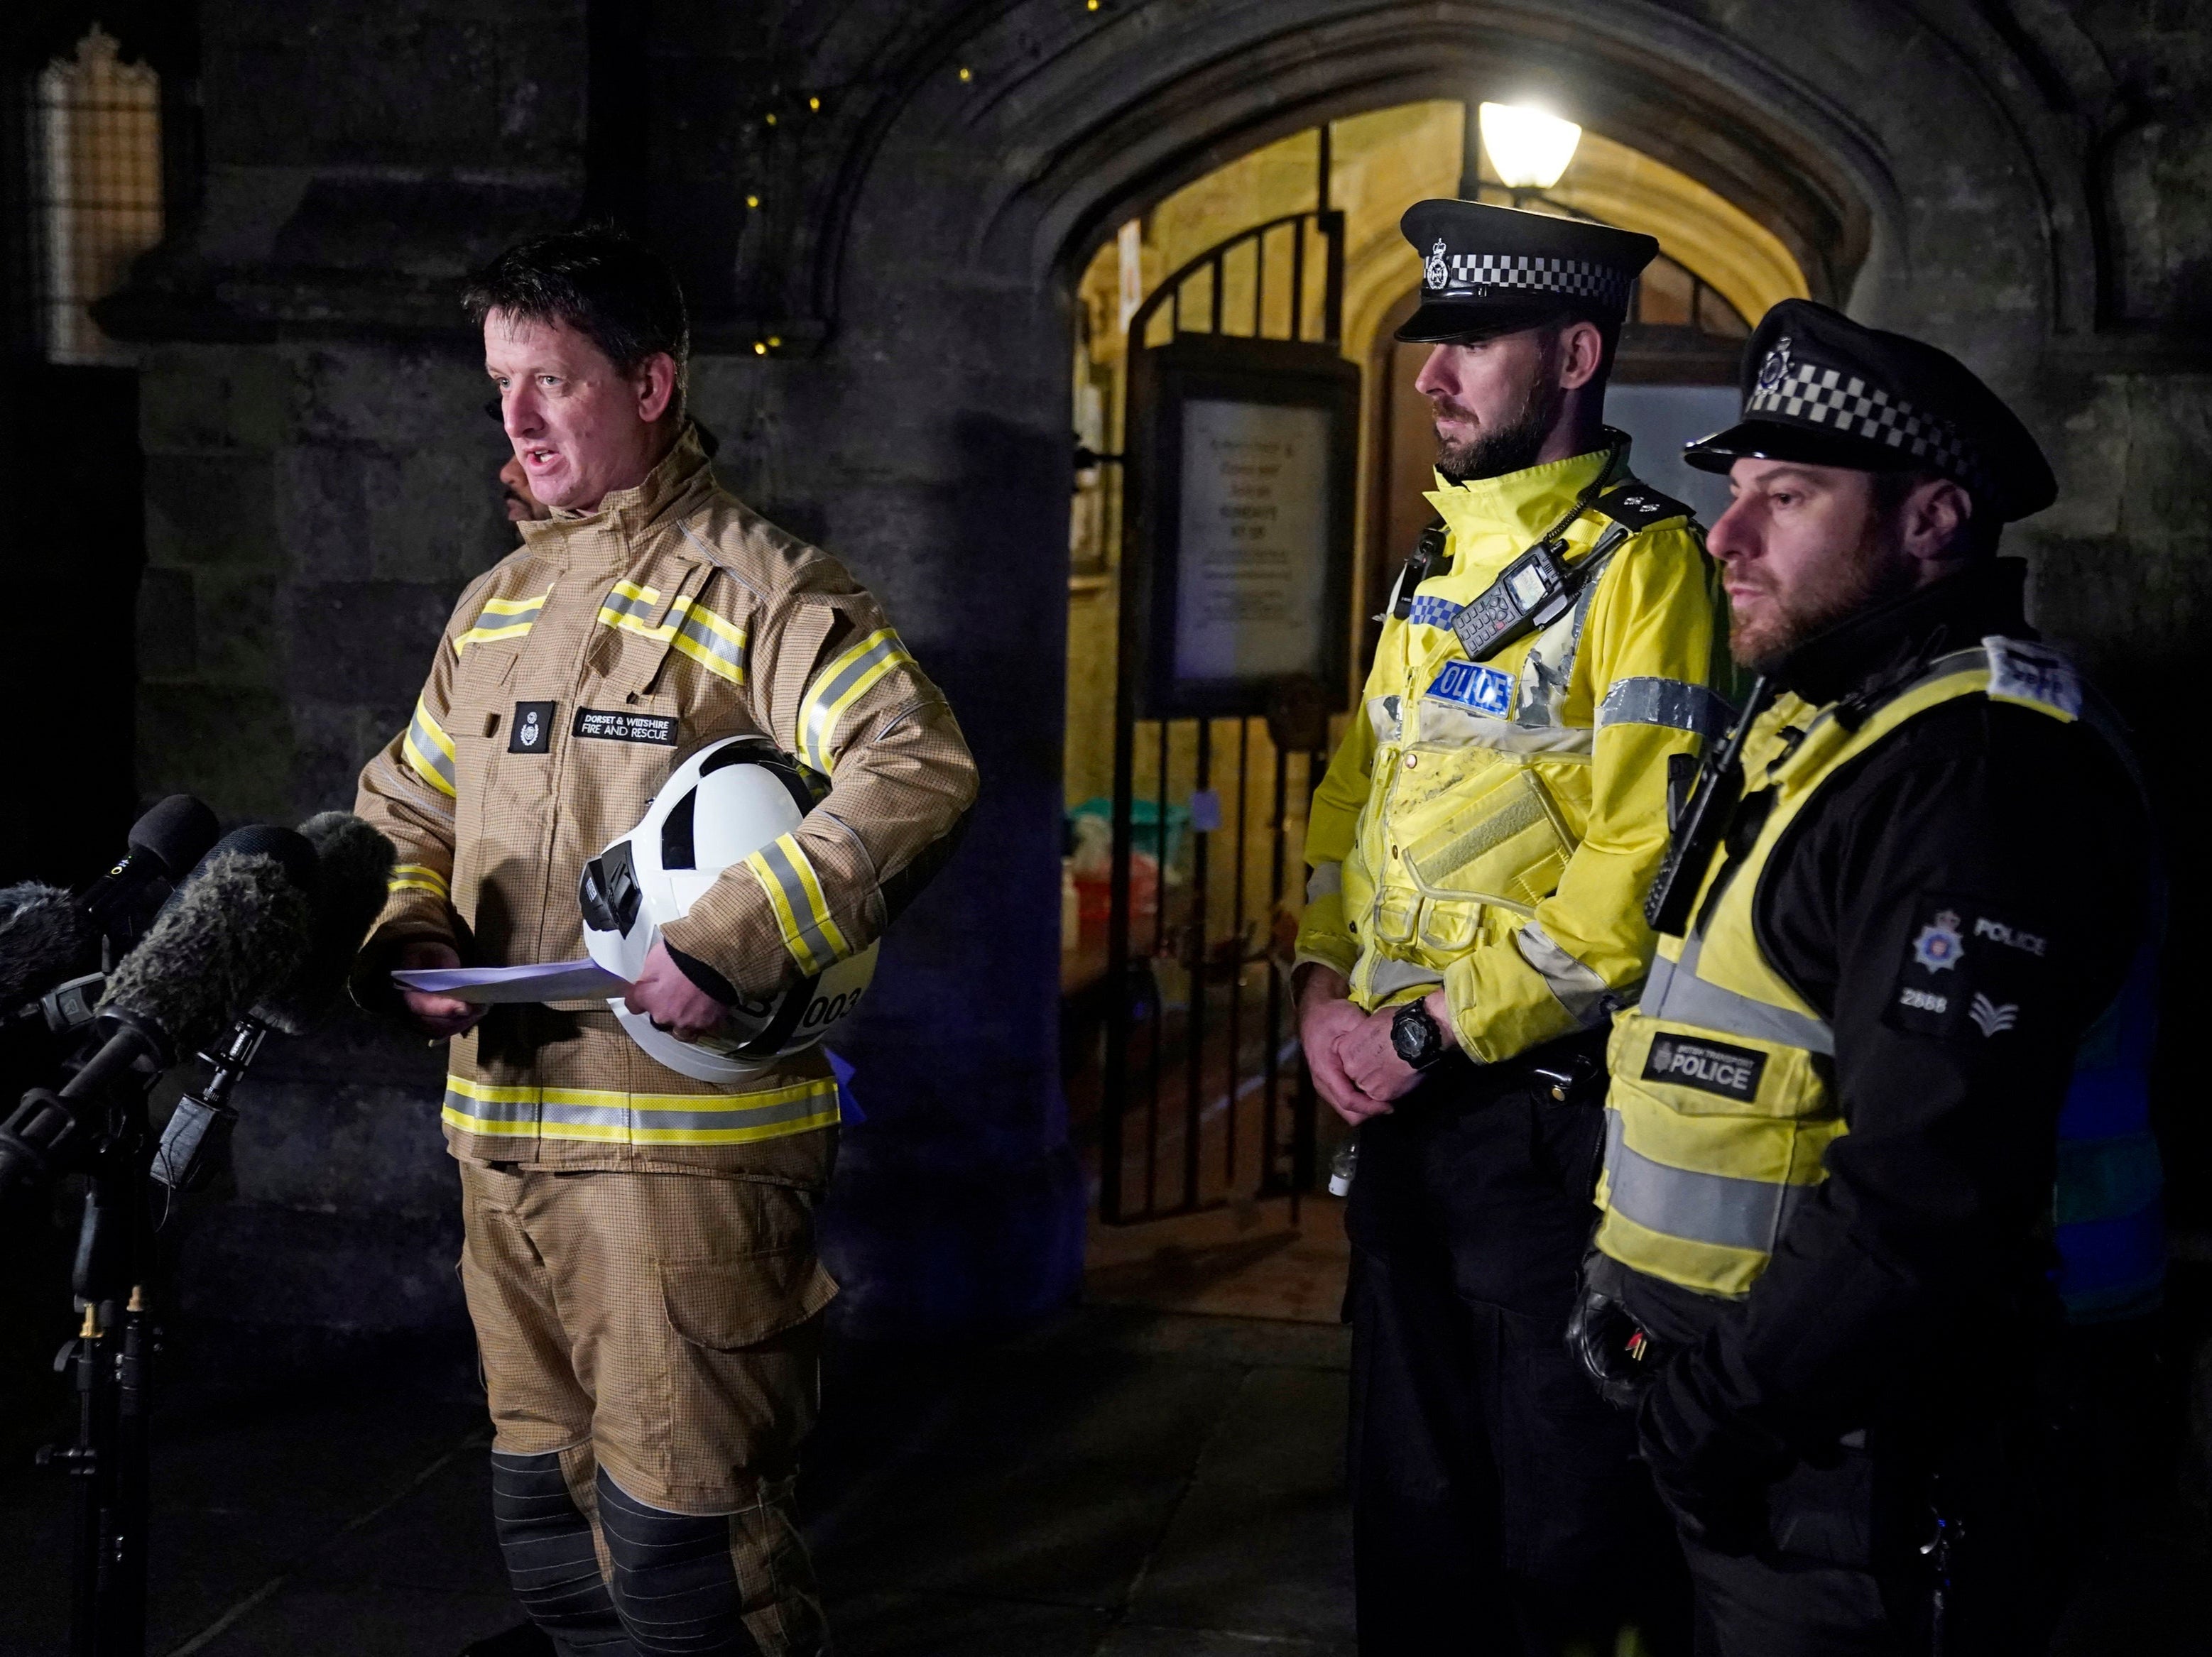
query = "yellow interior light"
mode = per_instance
[
  {"x": 759, "y": 348},
  {"x": 774, "y": 342},
  {"x": 966, "y": 73},
  {"x": 752, "y": 201},
  {"x": 814, "y": 103},
  {"x": 1529, "y": 148},
  {"x": 771, "y": 117}
]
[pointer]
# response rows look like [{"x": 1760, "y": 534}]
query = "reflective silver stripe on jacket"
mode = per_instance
[
  {"x": 479, "y": 1108},
  {"x": 1675, "y": 991},
  {"x": 1674, "y": 703},
  {"x": 1589, "y": 999},
  {"x": 1707, "y": 1208},
  {"x": 1391, "y": 975},
  {"x": 1326, "y": 881}
]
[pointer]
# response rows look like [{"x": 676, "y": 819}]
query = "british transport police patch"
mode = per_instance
[{"x": 1718, "y": 1067}]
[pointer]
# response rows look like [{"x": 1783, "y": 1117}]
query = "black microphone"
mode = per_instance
[
  {"x": 45, "y": 937},
  {"x": 164, "y": 845},
  {"x": 354, "y": 874},
  {"x": 353, "y": 861},
  {"x": 241, "y": 927}
]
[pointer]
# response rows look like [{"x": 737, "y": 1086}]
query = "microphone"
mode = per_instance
[
  {"x": 46, "y": 936},
  {"x": 164, "y": 845},
  {"x": 240, "y": 926},
  {"x": 355, "y": 863}
]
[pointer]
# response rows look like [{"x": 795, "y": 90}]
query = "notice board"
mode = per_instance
[{"x": 1240, "y": 482}]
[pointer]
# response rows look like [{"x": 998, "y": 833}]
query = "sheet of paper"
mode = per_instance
[{"x": 552, "y": 980}]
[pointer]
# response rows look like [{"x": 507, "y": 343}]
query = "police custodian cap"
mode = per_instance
[
  {"x": 1489, "y": 271},
  {"x": 1820, "y": 388}
]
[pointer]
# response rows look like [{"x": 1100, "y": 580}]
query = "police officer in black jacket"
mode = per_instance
[{"x": 1897, "y": 899}]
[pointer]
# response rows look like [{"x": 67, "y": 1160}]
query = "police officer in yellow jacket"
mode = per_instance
[
  {"x": 1896, "y": 903},
  {"x": 640, "y": 1259},
  {"x": 1480, "y": 849}
]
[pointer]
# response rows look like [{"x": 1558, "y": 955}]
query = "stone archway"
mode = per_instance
[{"x": 1883, "y": 144}]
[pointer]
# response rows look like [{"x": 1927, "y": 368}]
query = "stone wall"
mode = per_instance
[{"x": 2025, "y": 182}]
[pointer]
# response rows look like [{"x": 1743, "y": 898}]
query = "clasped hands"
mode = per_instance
[
  {"x": 1354, "y": 1064},
  {"x": 662, "y": 993}
]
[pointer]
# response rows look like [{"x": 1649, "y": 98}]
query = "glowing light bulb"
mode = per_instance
[
  {"x": 752, "y": 201},
  {"x": 771, "y": 117},
  {"x": 814, "y": 103},
  {"x": 774, "y": 342},
  {"x": 966, "y": 73},
  {"x": 1529, "y": 148},
  {"x": 759, "y": 348}
]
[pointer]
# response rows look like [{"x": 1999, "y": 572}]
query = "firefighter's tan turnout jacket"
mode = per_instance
[
  {"x": 572, "y": 678},
  {"x": 1491, "y": 827}
]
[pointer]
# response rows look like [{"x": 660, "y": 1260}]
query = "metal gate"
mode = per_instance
[{"x": 1206, "y": 1101}]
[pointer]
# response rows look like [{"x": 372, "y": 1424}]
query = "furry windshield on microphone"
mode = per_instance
[
  {"x": 355, "y": 869},
  {"x": 46, "y": 938},
  {"x": 241, "y": 925}
]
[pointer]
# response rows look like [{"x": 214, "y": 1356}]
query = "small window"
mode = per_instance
[{"x": 96, "y": 190}]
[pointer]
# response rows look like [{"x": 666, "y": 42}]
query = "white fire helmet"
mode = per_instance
[{"x": 724, "y": 803}]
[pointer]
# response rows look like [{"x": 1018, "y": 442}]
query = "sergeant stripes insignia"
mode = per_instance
[
  {"x": 838, "y": 686},
  {"x": 717, "y": 645},
  {"x": 430, "y": 751}
]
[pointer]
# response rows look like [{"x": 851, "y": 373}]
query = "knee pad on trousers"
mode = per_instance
[
  {"x": 675, "y": 1582},
  {"x": 551, "y": 1557}
]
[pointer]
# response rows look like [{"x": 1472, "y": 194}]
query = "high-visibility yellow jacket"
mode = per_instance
[
  {"x": 1723, "y": 1104},
  {"x": 1492, "y": 827},
  {"x": 572, "y": 678}
]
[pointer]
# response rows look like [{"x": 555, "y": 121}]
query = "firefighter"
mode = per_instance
[
  {"x": 1480, "y": 849},
  {"x": 639, "y": 1259},
  {"x": 1823, "y": 1273}
]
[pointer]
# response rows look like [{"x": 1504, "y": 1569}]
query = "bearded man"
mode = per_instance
[
  {"x": 1480, "y": 852},
  {"x": 1823, "y": 1276}
]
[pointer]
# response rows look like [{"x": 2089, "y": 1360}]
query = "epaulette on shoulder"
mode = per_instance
[
  {"x": 2034, "y": 676},
  {"x": 1636, "y": 505}
]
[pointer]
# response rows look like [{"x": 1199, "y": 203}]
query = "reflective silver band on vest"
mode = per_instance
[
  {"x": 1675, "y": 993},
  {"x": 1706, "y": 1208},
  {"x": 1588, "y": 998},
  {"x": 1326, "y": 881},
  {"x": 1674, "y": 703},
  {"x": 1391, "y": 975}
]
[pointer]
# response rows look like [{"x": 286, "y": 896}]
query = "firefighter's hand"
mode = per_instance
[
  {"x": 1371, "y": 1059},
  {"x": 663, "y": 994},
  {"x": 436, "y": 1016},
  {"x": 1324, "y": 1017}
]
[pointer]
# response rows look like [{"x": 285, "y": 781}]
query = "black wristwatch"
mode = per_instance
[{"x": 1414, "y": 1035}]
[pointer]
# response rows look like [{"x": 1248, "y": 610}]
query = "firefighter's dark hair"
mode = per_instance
[{"x": 605, "y": 284}]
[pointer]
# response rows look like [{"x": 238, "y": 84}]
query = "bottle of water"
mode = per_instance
[{"x": 1345, "y": 1164}]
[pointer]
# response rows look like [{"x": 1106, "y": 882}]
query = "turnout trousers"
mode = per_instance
[
  {"x": 1498, "y": 1504},
  {"x": 651, "y": 1351}
]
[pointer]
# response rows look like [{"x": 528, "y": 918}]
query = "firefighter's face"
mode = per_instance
[{"x": 580, "y": 426}]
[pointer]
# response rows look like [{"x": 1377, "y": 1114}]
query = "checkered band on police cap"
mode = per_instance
[
  {"x": 1849, "y": 403},
  {"x": 1819, "y": 388},
  {"x": 1474, "y": 275}
]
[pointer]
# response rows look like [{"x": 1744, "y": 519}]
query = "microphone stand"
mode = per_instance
[
  {"x": 112, "y": 1357},
  {"x": 111, "y": 1361}
]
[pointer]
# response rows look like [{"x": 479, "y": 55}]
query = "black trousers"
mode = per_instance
[
  {"x": 1846, "y": 1575},
  {"x": 1497, "y": 1505}
]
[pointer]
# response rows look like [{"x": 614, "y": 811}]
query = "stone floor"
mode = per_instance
[
  {"x": 1157, "y": 1474},
  {"x": 1119, "y": 1482}
]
